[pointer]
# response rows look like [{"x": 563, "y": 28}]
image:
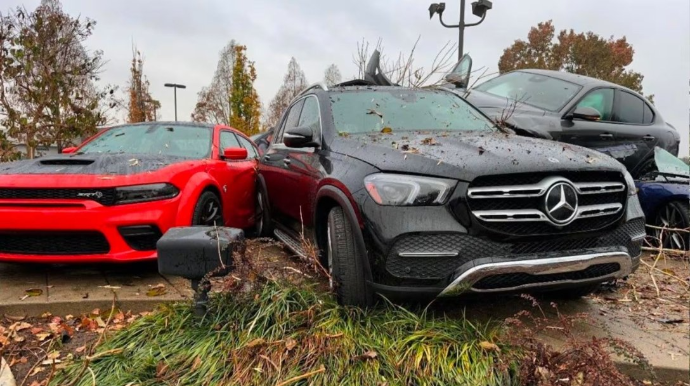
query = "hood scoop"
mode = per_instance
[{"x": 66, "y": 161}]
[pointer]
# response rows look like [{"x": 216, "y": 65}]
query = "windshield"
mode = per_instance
[
  {"x": 154, "y": 139},
  {"x": 404, "y": 110},
  {"x": 539, "y": 91},
  {"x": 667, "y": 163}
]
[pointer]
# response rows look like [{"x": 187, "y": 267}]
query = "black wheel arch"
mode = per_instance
[{"x": 328, "y": 197}]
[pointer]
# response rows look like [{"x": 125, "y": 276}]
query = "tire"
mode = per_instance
[
  {"x": 262, "y": 226},
  {"x": 573, "y": 292},
  {"x": 345, "y": 265},
  {"x": 208, "y": 211},
  {"x": 674, "y": 214}
]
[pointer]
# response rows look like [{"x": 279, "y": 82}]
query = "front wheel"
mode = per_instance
[
  {"x": 345, "y": 265},
  {"x": 674, "y": 215},
  {"x": 208, "y": 211}
]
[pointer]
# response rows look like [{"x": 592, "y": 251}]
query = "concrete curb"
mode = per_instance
[
  {"x": 664, "y": 374},
  {"x": 63, "y": 308},
  {"x": 6, "y": 377}
]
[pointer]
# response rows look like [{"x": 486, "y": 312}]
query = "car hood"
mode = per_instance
[
  {"x": 466, "y": 155},
  {"x": 525, "y": 119}
]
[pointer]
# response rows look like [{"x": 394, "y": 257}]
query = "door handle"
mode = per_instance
[
  {"x": 267, "y": 157},
  {"x": 606, "y": 136},
  {"x": 649, "y": 137},
  {"x": 286, "y": 161}
]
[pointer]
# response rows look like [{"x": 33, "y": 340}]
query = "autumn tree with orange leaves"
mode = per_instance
[
  {"x": 584, "y": 53},
  {"x": 244, "y": 100},
  {"x": 142, "y": 107}
]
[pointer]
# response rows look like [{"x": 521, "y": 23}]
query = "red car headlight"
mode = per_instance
[{"x": 144, "y": 193}]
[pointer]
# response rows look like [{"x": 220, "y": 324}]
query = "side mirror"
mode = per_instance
[
  {"x": 234, "y": 153},
  {"x": 69, "y": 150},
  {"x": 299, "y": 137},
  {"x": 585, "y": 113}
]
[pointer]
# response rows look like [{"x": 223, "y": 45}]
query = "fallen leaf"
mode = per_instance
[
  {"x": 481, "y": 150},
  {"x": 387, "y": 130},
  {"x": 80, "y": 349},
  {"x": 36, "y": 330},
  {"x": 49, "y": 362},
  {"x": 43, "y": 336},
  {"x": 429, "y": 141},
  {"x": 34, "y": 292},
  {"x": 85, "y": 295},
  {"x": 161, "y": 368},
  {"x": 488, "y": 346},
  {"x": 256, "y": 342},
  {"x": 54, "y": 354},
  {"x": 367, "y": 355},
  {"x": 11, "y": 318},
  {"x": 36, "y": 370},
  {"x": 19, "y": 326},
  {"x": 196, "y": 364},
  {"x": 46, "y": 314},
  {"x": 100, "y": 322},
  {"x": 290, "y": 344},
  {"x": 133, "y": 162},
  {"x": 157, "y": 290},
  {"x": 96, "y": 311}
]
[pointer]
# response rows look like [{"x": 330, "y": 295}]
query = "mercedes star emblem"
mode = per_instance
[{"x": 561, "y": 203}]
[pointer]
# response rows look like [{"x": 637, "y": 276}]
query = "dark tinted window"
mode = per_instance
[
  {"x": 227, "y": 139},
  {"x": 291, "y": 120},
  {"x": 600, "y": 100},
  {"x": 630, "y": 108},
  {"x": 535, "y": 90},
  {"x": 251, "y": 151},
  {"x": 402, "y": 109},
  {"x": 648, "y": 114},
  {"x": 154, "y": 139},
  {"x": 310, "y": 115}
]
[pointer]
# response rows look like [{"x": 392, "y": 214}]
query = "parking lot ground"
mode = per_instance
[
  {"x": 655, "y": 325},
  {"x": 31, "y": 290}
]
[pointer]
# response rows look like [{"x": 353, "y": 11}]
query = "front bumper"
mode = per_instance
[
  {"x": 85, "y": 231},
  {"x": 427, "y": 250}
]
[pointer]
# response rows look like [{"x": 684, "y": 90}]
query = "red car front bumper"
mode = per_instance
[{"x": 69, "y": 231}]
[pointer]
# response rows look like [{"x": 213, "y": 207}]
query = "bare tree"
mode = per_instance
[
  {"x": 403, "y": 70},
  {"x": 213, "y": 102},
  {"x": 294, "y": 83},
  {"x": 332, "y": 75}
]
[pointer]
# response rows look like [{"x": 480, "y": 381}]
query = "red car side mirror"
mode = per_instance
[
  {"x": 69, "y": 150},
  {"x": 235, "y": 153}
]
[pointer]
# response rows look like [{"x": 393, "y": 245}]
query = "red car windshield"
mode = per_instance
[{"x": 155, "y": 139}]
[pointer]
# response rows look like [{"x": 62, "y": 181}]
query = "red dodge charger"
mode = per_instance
[{"x": 113, "y": 197}]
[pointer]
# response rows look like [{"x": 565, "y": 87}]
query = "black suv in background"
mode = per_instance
[{"x": 414, "y": 191}]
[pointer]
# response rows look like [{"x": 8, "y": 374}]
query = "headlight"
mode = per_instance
[
  {"x": 398, "y": 189},
  {"x": 630, "y": 181},
  {"x": 144, "y": 193}
]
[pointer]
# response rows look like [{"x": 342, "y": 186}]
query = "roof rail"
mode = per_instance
[{"x": 320, "y": 85}]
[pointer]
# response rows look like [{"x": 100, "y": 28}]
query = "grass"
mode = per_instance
[{"x": 283, "y": 335}]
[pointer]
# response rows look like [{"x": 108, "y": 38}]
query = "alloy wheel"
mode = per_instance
[
  {"x": 211, "y": 214},
  {"x": 670, "y": 217}
]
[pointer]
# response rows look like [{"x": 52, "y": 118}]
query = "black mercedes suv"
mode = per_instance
[{"x": 414, "y": 191}]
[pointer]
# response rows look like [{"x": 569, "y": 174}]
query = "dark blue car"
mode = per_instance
[{"x": 664, "y": 192}]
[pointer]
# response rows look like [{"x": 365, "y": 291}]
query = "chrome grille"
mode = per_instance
[{"x": 526, "y": 207}]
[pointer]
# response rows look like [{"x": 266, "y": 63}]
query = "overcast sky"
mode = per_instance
[{"x": 180, "y": 39}]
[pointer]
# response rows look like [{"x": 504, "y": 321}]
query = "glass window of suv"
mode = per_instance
[
  {"x": 402, "y": 109},
  {"x": 291, "y": 120},
  {"x": 540, "y": 91},
  {"x": 251, "y": 150},
  {"x": 600, "y": 100},
  {"x": 227, "y": 139},
  {"x": 310, "y": 116},
  {"x": 648, "y": 115},
  {"x": 630, "y": 108}
]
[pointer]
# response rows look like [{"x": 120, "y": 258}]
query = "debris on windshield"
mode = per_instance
[
  {"x": 120, "y": 134},
  {"x": 589, "y": 159},
  {"x": 481, "y": 150},
  {"x": 429, "y": 141},
  {"x": 387, "y": 130},
  {"x": 374, "y": 112},
  {"x": 343, "y": 134},
  {"x": 395, "y": 145},
  {"x": 133, "y": 162}
]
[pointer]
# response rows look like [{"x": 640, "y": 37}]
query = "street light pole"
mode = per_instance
[
  {"x": 175, "y": 87},
  {"x": 479, "y": 9}
]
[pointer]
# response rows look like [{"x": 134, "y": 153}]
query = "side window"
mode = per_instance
[
  {"x": 630, "y": 108},
  {"x": 310, "y": 116},
  {"x": 601, "y": 100},
  {"x": 648, "y": 116},
  {"x": 251, "y": 151},
  {"x": 291, "y": 120},
  {"x": 227, "y": 139}
]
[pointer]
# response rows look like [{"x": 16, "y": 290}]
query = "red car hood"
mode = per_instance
[{"x": 93, "y": 170}]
